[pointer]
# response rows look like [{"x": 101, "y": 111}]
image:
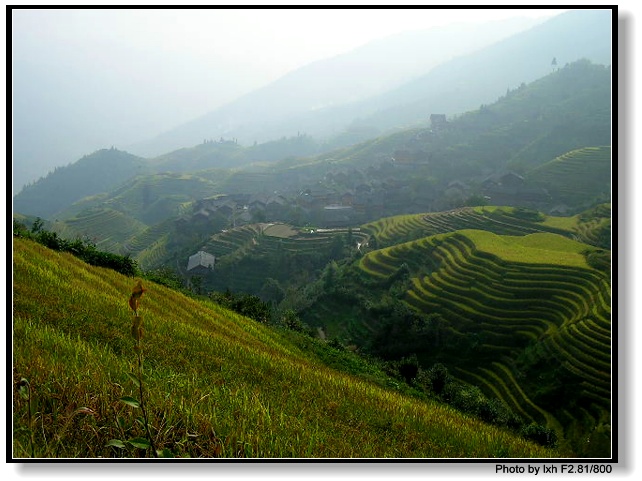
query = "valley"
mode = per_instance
[{"x": 432, "y": 279}]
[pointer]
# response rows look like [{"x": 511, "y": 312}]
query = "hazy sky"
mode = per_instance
[
  {"x": 184, "y": 51},
  {"x": 85, "y": 79}
]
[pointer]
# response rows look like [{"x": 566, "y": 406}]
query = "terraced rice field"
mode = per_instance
[
  {"x": 512, "y": 292},
  {"x": 269, "y": 238},
  {"x": 577, "y": 176},
  {"x": 232, "y": 240},
  {"x": 109, "y": 228},
  {"x": 154, "y": 255},
  {"x": 499, "y": 220},
  {"x": 147, "y": 238},
  {"x": 248, "y": 255}
]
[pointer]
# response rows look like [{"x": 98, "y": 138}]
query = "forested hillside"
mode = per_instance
[{"x": 93, "y": 174}]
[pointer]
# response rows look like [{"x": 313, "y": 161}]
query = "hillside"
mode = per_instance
[
  {"x": 218, "y": 384},
  {"x": 268, "y": 258},
  {"x": 565, "y": 110},
  {"x": 526, "y": 318},
  {"x": 93, "y": 174},
  {"x": 330, "y": 97},
  {"x": 575, "y": 177},
  {"x": 465, "y": 82},
  {"x": 416, "y": 170}
]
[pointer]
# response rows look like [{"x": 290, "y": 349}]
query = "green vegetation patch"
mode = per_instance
[{"x": 540, "y": 248}]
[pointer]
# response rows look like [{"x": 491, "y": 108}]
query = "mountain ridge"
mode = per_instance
[
  {"x": 343, "y": 76},
  {"x": 575, "y": 40}
]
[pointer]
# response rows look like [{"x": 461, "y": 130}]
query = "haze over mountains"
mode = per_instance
[
  {"x": 84, "y": 105},
  {"x": 285, "y": 106},
  {"x": 326, "y": 97},
  {"x": 307, "y": 102}
]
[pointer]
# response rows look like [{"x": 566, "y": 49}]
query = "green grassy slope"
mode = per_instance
[{"x": 218, "y": 384}]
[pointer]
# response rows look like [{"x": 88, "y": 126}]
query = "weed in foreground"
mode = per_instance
[
  {"x": 24, "y": 388},
  {"x": 147, "y": 442}
]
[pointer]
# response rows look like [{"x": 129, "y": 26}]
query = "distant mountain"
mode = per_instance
[
  {"x": 479, "y": 78},
  {"x": 325, "y": 98},
  {"x": 95, "y": 173},
  {"x": 271, "y": 112}
]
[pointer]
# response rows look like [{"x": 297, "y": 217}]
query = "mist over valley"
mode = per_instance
[{"x": 420, "y": 223}]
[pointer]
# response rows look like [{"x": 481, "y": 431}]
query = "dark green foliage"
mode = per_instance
[
  {"x": 196, "y": 285},
  {"x": 290, "y": 320},
  {"x": 438, "y": 377},
  {"x": 402, "y": 331},
  {"x": 272, "y": 291},
  {"x": 166, "y": 277},
  {"x": 19, "y": 229},
  {"x": 598, "y": 212},
  {"x": 81, "y": 248},
  {"x": 408, "y": 368},
  {"x": 495, "y": 412},
  {"x": 466, "y": 398},
  {"x": 94, "y": 173},
  {"x": 37, "y": 226},
  {"x": 600, "y": 441},
  {"x": 245, "y": 304},
  {"x": 546, "y": 379},
  {"x": 540, "y": 434}
]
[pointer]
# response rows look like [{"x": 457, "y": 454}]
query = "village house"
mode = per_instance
[
  {"x": 347, "y": 198},
  {"x": 511, "y": 188},
  {"x": 200, "y": 263}
]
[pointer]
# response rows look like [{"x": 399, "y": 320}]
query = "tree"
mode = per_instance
[
  {"x": 37, "y": 226},
  {"x": 196, "y": 283},
  {"x": 439, "y": 377},
  {"x": 271, "y": 291}
]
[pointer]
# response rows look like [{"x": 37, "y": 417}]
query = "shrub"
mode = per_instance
[
  {"x": 245, "y": 304},
  {"x": 495, "y": 412},
  {"x": 290, "y": 320},
  {"x": 406, "y": 368},
  {"x": 438, "y": 377},
  {"x": 166, "y": 277},
  {"x": 540, "y": 434}
]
